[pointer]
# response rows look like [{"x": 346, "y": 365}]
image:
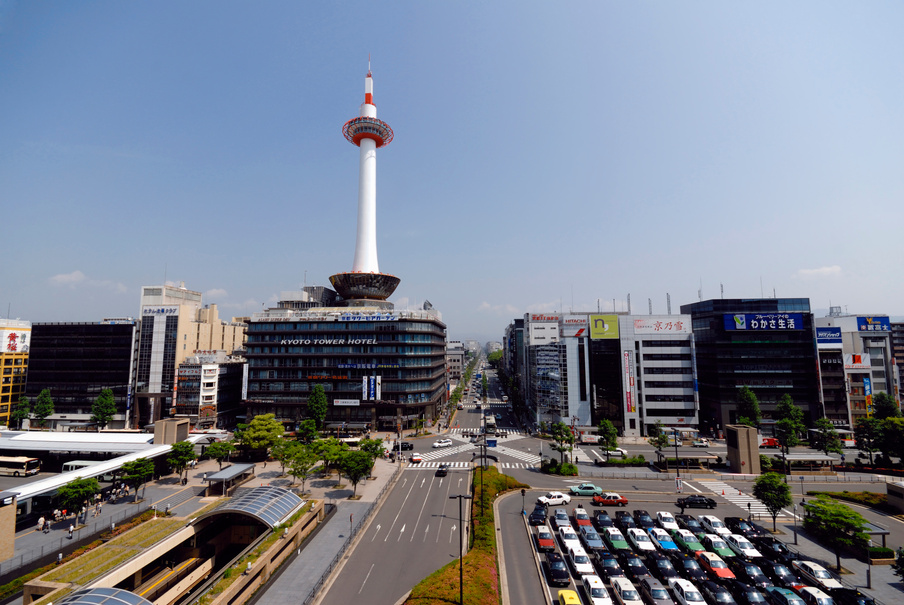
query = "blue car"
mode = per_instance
[{"x": 662, "y": 539}]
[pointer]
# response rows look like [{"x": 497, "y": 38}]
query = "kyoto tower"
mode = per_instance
[{"x": 365, "y": 282}]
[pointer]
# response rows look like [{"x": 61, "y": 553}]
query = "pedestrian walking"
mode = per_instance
[
  {"x": 47, "y": 526},
  {"x": 41, "y": 524},
  {"x": 71, "y": 529},
  {"x": 100, "y": 508},
  {"x": 166, "y": 511}
]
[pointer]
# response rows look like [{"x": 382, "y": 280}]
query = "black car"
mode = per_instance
[
  {"x": 406, "y": 445},
  {"x": 744, "y": 593},
  {"x": 742, "y": 527},
  {"x": 661, "y": 566},
  {"x": 850, "y": 596},
  {"x": 695, "y": 501},
  {"x": 633, "y": 565},
  {"x": 748, "y": 572},
  {"x": 653, "y": 592},
  {"x": 442, "y": 470},
  {"x": 688, "y": 568},
  {"x": 690, "y": 523},
  {"x": 602, "y": 519},
  {"x": 774, "y": 550},
  {"x": 607, "y": 565},
  {"x": 624, "y": 521},
  {"x": 716, "y": 594},
  {"x": 644, "y": 520},
  {"x": 538, "y": 515},
  {"x": 556, "y": 570},
  {"x": 780, "y": 575}
]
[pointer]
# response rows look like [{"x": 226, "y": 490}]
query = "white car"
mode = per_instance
[
  {"x": 714, "y": 525},
  {"x": 817, "y": 574},
  {"x": 443, "y": 443},
  {"x": 580, "y": 561},
  {"x": 625, "y": 592},
  {"x": 596, "y": 590},
  {"x": 742, "y": 546},
  {"x": 554, "y": 499},
  {"x": 667, "y": 521},
  {"x": 617, "y": 451},
  {"x": 686, "y": 593},
  {"x": 640, "y": 540},
  {"x": 569, "y": 539}
]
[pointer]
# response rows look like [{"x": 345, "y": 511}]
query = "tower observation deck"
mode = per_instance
[{"x": 364, "y": 281}]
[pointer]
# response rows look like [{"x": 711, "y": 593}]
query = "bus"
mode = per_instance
[
  {"x": 74, "y": 465},
  {"x": 490, "y": 424},
  {"x": 19, "y": 465}
]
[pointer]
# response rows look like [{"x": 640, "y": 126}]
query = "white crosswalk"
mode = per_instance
[
  {"x": 423, "y": 465},
  {"x": 530, "y": 457},
  {"x": 517, "y": 465},
  {"x": 739, "y": 497},
  {"x": 508, "y": 432},
  {"x": 471, "y": 406},
  {"x": 442, "y": 452}
]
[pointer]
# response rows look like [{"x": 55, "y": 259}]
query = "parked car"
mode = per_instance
[
  {"x": 653, "y": 592},
  {"x": 742, "y": 527},
  {"x": 695, "y": 501},
  {"x": 641, "y": 540},
  {"x": 624, "y": 520},
  {"x": 775, "y": 550},
  {"x": 779, "y": 574},
  {"x": 667, "y": 520},
  {"x": 813, "y": 596},
  {"x": 554, "y": 499},
  {"x": 742, "y": 546},
  {"x": 714, "y": 564},
  {"x": 580, "y": 561},
  {"x": 569, "y": 538},
  {"x": 744, "y": 593},
  {"x": 815, "y": 574},
  {"x": 625, "y": 592},
  {"x": 715, "y": 543},
  {"x": 748, "y": 572},
  {"x": 596, "y": 590},
  {"x": 556, "y": 570},
  {"x": 633, "y": 565},
  {"x": 538, "y": 515},
  {"x": 545, "y": 541},
  {"x": 660, "y": 566},
  {"x": 581, "y": 518},
  {"x": 568, "y": 597},
  {"x": 602, "y": 519},
  {"x": 643, "y": 519},
  {"x": 850, "y": 596},
  {"x": 714, "y": 525},
  {"x": 688, "y": 567},
  {"x": 585, "y": 489},
  {"x": 716, "y": 594},
  {"x": 690, "y": 523},
  {"x": 688, "y": 541},
  {"x": 662, "y": 539},
  {"x": 610, "y": 499},
  {"x": 591, "y": 539},
  {"x": 607, "y": 564},
  {"x": 782, "y": 596},
  {"x": 686, "y": 593},
  {"x": 560, "y": 518},
  {"x": 615, "y": 539}
]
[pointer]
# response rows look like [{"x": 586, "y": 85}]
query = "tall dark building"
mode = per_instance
[
  {"x": 766, "y": 344},
  {"x": 78, "y": 360}
]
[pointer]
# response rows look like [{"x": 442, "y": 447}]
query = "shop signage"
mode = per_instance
[
  {"x": 764, "y": 321},
  {"x": 160, "y": 311},
  {"x": 362, "y": 317},
  {"x": 365, "y": 366},
  {"x": 827, "y": 338},
  {"x": 354, "y": 402},
  {"x": 14, "y": 341},
  {"x": 857, "y": 361},
  {"x": 603, "y": 327},
  {"x": 873, "y": 324},
  {"x": 328, "y": 341},
  {"x": 542, "y": 317},
  {"x": 629, "y": 381},
  {"x": 667, "y": 325}
]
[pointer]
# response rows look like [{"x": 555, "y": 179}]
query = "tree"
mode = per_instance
[
  {"x": 356, "y": 465},
  {"x": 494, "y": 358},
  {"x": 330, "y": 451},
  {"x": 838, "y": 525},
  {"x": 21, "y": 412},
  {"x": 307, "y": 430},
  {"x": 893, "y": 437},
  {"x": 658, "y": 438},
  {"x": 104, "y": 408},
  {"x": 789, "y": 422},
  {"x": 773, "y": 492},
  {"x": 303, "y": 463},
  {"x": 898, "y": 566},
  {"x": 374, "y": 447},
  {"x": 608, "y": 436},
  {"x": 283, "y": 451},
  {"x": 826, "y": 438},
  {"x": 43, "y": 406},
  {"x": 221, "y": 451},
  {"x": 181, "y": 453},
  {"x": 262, "y": 432},
  {"x": 748, "y": 407},
  {"x": 317, "y": 405},
  {"x": 77, "y": 493},
  {"x": 138, "y": 472},
  {"x": 868, "y": 436},
  {"x": 563, "y": 440},
  {"x": 884, "y": 406}
]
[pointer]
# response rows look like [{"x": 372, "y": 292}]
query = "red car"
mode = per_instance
[
  {"x": 610, "y": 499},
  {"x": 581, "y": 517},
  {"x": 545, "y": 541},
  {"x": 714, "y": 564}
]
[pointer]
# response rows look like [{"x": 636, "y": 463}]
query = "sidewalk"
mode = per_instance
[{"x": 302, "y": 575}]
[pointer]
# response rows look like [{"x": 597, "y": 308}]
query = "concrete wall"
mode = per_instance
[
  {"x": 743, "y": 449},
  {"x": 171, "y": 430}
]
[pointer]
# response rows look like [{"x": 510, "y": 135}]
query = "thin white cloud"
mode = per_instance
[
  {"x": 216, "y": 292},
  {"x": 503, "y": 309},
  {"x": 68, "y": 279},
  {"x": 77, "y": 278},
  {"x": 820, "y": 273}
]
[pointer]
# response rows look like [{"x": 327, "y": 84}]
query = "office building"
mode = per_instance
[
  {"x": 210, "y": 388},
  {"x": 15, "y": 342}
]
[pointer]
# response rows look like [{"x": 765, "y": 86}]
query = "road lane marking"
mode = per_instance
[
  {"x": 401, "y": 531},
  {"x": 688, "y": 483},
  {"x": 426, "y": 529},
  {"x": 389, "y": 531},
  {"x": 375, "y": 533},
  {"x": 416, "y": 523},
  {"x": 365, "y": 577}
]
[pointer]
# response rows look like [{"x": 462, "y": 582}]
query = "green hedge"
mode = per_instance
[
  {"x": 871, "y": 499},
  {"x": 551, "y": 466},
  {"x": 638, "y": 460},
  {"x": 880, "y": 552}
]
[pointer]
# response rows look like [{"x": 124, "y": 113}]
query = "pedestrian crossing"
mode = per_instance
[
  {"x": 741, "y": 499},
  {"x": 453, "y": 465},
  {"x": 471, "y": 406},
  {"x": 508, "y": 432},
  {"x": 517, "y": 465},
  {"x": 442, "y": 452},
  {"x": 529, "y": 457}
]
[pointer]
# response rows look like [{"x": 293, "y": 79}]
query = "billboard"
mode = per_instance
[
  {"x": 15, "y": 341},
  {"x": 663, "y": 325},
  {"x": 629, "y": 382},
  {"x": 873, "y": 324},
  {"x": 857, "y": 361},
  {"x": 828, "y": 338},
  {"x": 868, "y": 392},
  {"x": 574, "y": 326},
  {"x": 353, "y": 402},
  {"x": 764, "y": 321},
  {"x": 603, "y": 327}
]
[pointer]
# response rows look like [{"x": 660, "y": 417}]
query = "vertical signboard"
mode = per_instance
[
  {"x": 868, "y": 392},
  {"x": 629, "y": 382},
  {"x": 364, "y": 388},
  {"x": 379, "y": 388}
]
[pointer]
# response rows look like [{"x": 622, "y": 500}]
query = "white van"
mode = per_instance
[{"x": 625, "y": 592}]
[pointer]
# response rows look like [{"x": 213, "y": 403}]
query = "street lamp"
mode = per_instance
[
  {"x": 461, "y": 547},
  {"x": 795, "y": 524},
  {"x": 802, "y": 485},
  {"x": 523, "y": 492},
  {"x": 869, "y": 566},
  {"x": 677, "y": 462}
]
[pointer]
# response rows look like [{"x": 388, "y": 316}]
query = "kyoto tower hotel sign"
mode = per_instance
[{"x": 365, "y": 283}]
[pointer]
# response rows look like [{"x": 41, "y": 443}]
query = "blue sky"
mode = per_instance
[{"x": 547, "y": 156}]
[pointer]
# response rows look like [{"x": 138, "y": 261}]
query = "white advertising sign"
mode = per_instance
[
  {"x": 346, "y": 402},
  {"x": 857, "y": 362},
  {"x": 666, "y": 324},
  {"x": 15, "y": 341},
  {"x": 574, "y": 326}
]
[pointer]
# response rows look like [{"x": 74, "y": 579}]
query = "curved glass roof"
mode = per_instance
[
  {"x": 102, "y": 596},
  {"x": 269, "y": 504}
]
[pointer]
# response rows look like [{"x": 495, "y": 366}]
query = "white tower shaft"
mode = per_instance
[{"x": 366, "y": 241}]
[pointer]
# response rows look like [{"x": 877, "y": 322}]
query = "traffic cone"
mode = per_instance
[{"x": 723, "y": 492}]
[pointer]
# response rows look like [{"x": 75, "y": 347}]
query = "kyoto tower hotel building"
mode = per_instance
[{"x": 381, "y": 368}]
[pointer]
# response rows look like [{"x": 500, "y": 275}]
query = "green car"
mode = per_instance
[
  {"x": 688, "y": 541},
  {"x": 615, "y": 539},
  {"x": 716, "y": 544},
  {"x": 586, "y": 489}
]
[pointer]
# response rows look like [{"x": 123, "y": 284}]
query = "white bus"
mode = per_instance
[
  {"x": 19, "y": 465},
  {"x": 490, "y": 425}
]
